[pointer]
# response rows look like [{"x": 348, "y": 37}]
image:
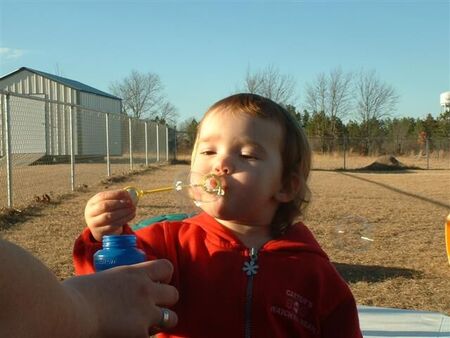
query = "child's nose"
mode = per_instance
[{"x": 223, "y": 166}]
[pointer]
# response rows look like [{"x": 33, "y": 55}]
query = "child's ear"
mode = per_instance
[{"x": 289, "y": 189}]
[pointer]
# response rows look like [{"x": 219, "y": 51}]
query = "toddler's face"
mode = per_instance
[{"x": 246, "y": 151}]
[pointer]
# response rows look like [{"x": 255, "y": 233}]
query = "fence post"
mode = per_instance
[
  {"x": 167, "y": 144},
  {"x": 146, "y": 142},
  {"x": 47, "y": 127},
  {"x": 108, "y": 159},
  {"x": 427, "y": 150},
  {"x": 438, "y": 150},
  {"x": 130, "y": 141},
  {"x": 175, "y": 143},
  {"x": 157, "y": 142},
  {"x": 72, "y": 154},
  {"x": 345, "y": 152},
  {"x": 7, "y": 116}
]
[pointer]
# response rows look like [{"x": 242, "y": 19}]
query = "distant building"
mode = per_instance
[
  {"x": 445, "y": 101},
  {"x": 42, "y": 128}
]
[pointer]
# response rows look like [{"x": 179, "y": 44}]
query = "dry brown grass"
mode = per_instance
[{"x": 404, "y": 267}]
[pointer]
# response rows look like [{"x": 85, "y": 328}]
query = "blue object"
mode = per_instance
[{"x": 118, "y": 250}]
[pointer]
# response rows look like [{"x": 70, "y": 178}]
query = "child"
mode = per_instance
[{"x": 243, "y": 267}]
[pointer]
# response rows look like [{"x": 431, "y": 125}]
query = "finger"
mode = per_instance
[
  {"x": 104, "y": 206},
  {"x": 110, "y": 195},
  {"x": 159, "y": 270},
  {"x": 114, "y": 219},
  {"x": 165, "y": 294},
  {"x": 168, "y": 319},
  {"x": 107, "y": 230}
]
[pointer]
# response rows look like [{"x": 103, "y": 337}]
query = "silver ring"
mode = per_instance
[{"x": 165, "y": 318}]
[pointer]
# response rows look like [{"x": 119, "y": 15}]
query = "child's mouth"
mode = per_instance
[{"x": 214, "y": 184}]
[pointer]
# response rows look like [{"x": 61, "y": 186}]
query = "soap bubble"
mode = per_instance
[
  {"x": 201, "y": 188},
  {"x": 353, "y": 233}
]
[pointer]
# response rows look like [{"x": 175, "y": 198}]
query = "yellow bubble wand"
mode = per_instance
[{"x": 209, "y": 183}]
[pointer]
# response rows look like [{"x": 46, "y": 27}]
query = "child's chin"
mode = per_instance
[{"x": 215, "y": 209}]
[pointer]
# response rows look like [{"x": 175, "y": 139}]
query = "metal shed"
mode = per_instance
[{"x": 42, "y": 127}]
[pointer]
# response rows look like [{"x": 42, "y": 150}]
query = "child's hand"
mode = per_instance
[{"x": 107, "y": 212}]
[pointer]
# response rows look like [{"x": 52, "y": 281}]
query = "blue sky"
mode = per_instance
[{"x": 202, "y": 49}]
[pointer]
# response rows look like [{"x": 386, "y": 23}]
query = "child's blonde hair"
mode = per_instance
[{"x": 295, "y": 150}]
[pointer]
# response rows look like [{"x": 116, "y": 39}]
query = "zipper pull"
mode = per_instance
[{"x": 250, "y": 267}]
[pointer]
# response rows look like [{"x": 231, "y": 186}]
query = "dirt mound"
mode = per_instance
[{"x": 386, "y": 163}]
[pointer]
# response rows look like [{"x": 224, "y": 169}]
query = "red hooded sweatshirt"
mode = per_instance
[{"x": 287, "y": 288}]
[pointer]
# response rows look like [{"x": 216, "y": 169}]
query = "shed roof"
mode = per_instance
[{"x": 67, "y": 82}]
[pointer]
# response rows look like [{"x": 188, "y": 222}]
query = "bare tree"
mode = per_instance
[
  {"x": 331, "y": 95},
  {"x": 167, "y": 113},
  {"x": 374, "y": 98},
  {"x": 270, "y": 83},
  {"x": 374, "y": 101},
  {"x": 253, "y": 82},
  {"x": 142, "y": 94},
  {"x": 339, "y": 89},
  {"x": 316, "y": 97},
  {"x": 316, "y": 94}
]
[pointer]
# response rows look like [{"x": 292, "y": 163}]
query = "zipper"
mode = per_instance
[{"x": 251, "y": 269}]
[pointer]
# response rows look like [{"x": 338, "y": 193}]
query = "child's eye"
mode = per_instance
[
  {"x": 207, "y": 152},
  {"x": 249, "y": 156}
]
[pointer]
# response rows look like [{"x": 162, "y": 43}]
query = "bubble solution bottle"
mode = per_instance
[{"x": 118, "y": 250}]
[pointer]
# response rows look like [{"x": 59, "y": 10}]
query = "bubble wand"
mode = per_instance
[{"x": 210, "y": 183}]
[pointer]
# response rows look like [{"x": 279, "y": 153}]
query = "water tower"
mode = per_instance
[{"x": 445, "y": 101}]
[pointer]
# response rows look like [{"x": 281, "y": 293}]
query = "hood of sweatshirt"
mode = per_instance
[{"x": 297, "y": 238}]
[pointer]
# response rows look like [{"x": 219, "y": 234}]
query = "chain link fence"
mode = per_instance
[
  {"x": 49, "y": 148},
  {"x": 358, "y": 153}
]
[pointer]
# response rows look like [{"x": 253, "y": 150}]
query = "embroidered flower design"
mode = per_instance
[{"x": 250, "y": 268}]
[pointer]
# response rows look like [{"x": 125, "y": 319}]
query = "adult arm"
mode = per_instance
[{"x": 120, "y": 302}]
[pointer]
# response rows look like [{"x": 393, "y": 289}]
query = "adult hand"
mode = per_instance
[{"x": 128, "y": 300}]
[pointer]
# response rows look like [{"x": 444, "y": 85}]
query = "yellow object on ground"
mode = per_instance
[{"x": 447, "y": 237}]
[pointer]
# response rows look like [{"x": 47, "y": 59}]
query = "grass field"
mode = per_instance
[{"x": 403, "y": 265}]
